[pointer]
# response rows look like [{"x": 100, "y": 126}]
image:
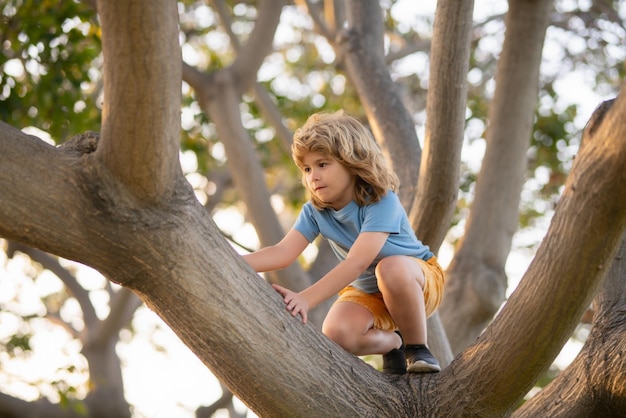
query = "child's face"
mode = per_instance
[{"x": 328, "y": 180}]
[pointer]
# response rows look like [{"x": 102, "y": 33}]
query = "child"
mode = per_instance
[{"x": 387, "y": 279}]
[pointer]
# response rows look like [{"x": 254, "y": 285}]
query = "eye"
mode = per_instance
[
  {"x": 306, "y": 169},
  {"x": 322, "y": 165}
]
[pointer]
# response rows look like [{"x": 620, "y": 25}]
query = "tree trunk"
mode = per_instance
[{"x": 476, "y": 280}]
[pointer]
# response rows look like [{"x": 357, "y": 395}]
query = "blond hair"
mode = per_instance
[{"x": 345, "y": 139}]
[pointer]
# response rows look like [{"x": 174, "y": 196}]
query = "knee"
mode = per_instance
[
  {"x": 390, "y": 271},
  {"x": 341, "y": 335},
  {"x": 386, "y": 267}
]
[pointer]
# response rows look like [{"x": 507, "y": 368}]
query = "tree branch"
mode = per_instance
[
  {"x": 316, "y": 10},
  {"x": 122, "y": 305},
  {"x": 11, "y": 407},
  {"x": 251, "y": 54},
  {"x": 141, "y": 112},
  {"x": 594, "y": 384},
  {"x": 273, "y": 116},
  {"x": 38, "y": 185},
  {"x": 592, "y": 215},
  {"x": 476, "y": 277},
  {"x": 75, "y": 289},
  {"x": 245, "y": 167},
  {"x": 361, "y": 46},
  {"x": 261, "y": 96},
  {"x": 437, "y": 190}
]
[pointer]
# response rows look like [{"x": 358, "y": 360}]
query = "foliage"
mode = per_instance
[{"x": 50, "y": 70}]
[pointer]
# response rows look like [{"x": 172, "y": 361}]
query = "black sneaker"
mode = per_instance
[
  {"x": 419, "y": 359},
  {"x": 394, "y": 361}
]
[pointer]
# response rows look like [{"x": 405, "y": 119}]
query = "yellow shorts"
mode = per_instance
[{"x": 373, "y": 302}]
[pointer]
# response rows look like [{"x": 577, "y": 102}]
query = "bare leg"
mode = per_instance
[
  {"x": 350, "y": 326},
  {"x": 401, "y": 281}
]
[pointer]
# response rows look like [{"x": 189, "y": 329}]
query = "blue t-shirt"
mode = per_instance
[{"x": 342, "y": 227}]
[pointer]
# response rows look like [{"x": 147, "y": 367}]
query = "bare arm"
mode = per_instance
[
  {"x": 363, "y": 251},
  {"x": 278, "y": 256}
]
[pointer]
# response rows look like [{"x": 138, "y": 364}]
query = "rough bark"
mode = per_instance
[
  {"x": 438, "y": 186},
  {"x": 171, "y": 254},
  {"x": 594, "y": 385},
  {"x": 561, "y": 281},
  {"x": 476, "y": 280},
  {"x": 149, "y": 136}
]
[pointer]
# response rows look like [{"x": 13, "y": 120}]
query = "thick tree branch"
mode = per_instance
[
  {"x": 476, "y": 278},
  {"x": 592, "y": 213},
  {"x": 38, "y": 184},
  {"x": 595, "y": 383},
  {"x": 142, "y": 96},
  {"x": 437, "y": 190}
]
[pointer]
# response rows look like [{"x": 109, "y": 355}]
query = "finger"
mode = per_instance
[
  {"x": 283, "y": 292},
  {"x": 279, "y": 289}
]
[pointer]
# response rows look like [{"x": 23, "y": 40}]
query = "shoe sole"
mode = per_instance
[{"x": 423, "y": 367}]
